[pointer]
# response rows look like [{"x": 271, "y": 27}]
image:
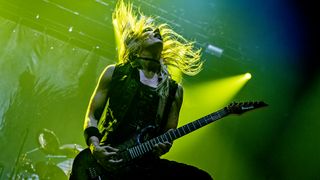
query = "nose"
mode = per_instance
[{"x": 156, "y": 31}]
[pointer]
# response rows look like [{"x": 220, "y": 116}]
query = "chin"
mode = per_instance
[
  {"x": 159, "y": 43},
  {"x": 153, "y": 42},
  {"x": 158, "y": 46}
]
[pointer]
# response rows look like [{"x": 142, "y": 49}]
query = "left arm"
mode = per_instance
[
  {"x": 173, "y": 117},
  {"x": 172, "y": 123}
]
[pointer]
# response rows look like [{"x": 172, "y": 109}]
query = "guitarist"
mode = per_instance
[{"x": 136, "y": 93}]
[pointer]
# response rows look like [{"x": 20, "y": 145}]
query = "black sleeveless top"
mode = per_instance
[
  {"x": 141, "y": 113},
  {"x": 132, "y": 106}
]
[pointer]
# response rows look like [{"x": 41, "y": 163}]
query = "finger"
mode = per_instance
[
  {"x": 156, "y": 145},
  {"x": 115, "y": 160},
  {"x": 164, "y": 145},
  {"x": 156, "y": 149},
  {"x": 109, "y": 154},
  {"x": 109, "y": 148},
  {"x": 163, "y": 148},
  {"x": 168, "y": 144},
  {"x": 160, "y": 146}
]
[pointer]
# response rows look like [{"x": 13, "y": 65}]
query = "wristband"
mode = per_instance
[{"x": 91, "y": 131}]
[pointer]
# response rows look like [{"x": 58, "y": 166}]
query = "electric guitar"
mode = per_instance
[{"x": 86, "y": 167}]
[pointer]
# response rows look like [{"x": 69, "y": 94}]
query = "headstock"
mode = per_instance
[{"x": 241, "y": 107}]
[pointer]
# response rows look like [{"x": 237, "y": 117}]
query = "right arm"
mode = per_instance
[
  {"x": 98, "y": 99},
  {"x": 95, "y": 109}
]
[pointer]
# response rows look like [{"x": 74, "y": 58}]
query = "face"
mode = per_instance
[{"x": 152, "y": 38}]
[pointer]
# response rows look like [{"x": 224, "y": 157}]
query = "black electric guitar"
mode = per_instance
[{"x": 86, "y": 167}]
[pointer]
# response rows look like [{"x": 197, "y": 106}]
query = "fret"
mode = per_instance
[
  {"x": 207, "y": 120},
  {"x": 212, "y": 116},
  {"x": 165, "y": 138},
  {"x": 138, "y": 151},
  {"x": 194, "y": 127},
  {"x": 170, "y": 136},
  {"x": 175, "y": 135},
  {"x": 216, "y": 116},
  {"x": 134, "y": 152},
  {"x": 219, "y": 115},
  {"x": 157, "y": 140},
  {"x": 179, "y": 132},
  {"x": 143, "y": 149},
  {"x": 183, "y": 130},
  {"x": 130, "y": 152},
  {"x": 150, "y": 147},
  {"x": 188, "y": 128},
  {"x": 153, "y": 141}
]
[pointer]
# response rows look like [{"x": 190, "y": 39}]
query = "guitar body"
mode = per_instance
[{"x": 85, "y": 167}]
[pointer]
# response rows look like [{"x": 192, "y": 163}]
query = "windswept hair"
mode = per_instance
[{"x": 129, "y": 27}]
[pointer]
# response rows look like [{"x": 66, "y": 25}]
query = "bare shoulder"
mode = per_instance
[
  {"x": 107, "y": 73},
  {"x": 109, "y": 70},
  {"x": 106, "y": 76}
]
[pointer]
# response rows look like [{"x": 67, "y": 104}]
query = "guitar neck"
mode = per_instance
[
  {"x": 192, "y": 126},
  {"x": 172, "y": 135}
]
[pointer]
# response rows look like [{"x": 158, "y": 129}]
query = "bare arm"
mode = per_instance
[
  {"x": 173, "y": 118},
  {"x": 98, "y": 100}
]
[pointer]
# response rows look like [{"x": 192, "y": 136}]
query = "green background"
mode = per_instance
[{"x": 52, "y": 52}]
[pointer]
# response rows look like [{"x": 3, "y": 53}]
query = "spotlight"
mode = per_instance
[
  {"x": 70, "y": 29},
  {"x": 247, "y": 76}
]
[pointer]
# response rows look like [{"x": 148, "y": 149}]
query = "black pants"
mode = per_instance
[
  {"x": 147, "y": 168},
  {"x": 157, "y": 169}
]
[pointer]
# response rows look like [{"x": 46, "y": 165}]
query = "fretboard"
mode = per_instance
[{"x": 141, "y": 149}]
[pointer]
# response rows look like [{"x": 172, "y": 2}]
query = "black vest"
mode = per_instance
[{"x": 131, "y": 106}]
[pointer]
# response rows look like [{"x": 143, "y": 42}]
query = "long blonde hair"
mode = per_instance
[{"x": 177, "y": 51}]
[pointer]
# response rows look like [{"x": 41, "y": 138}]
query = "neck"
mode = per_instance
[
  {"x": 150, "y": 59},
  {"x": 149, "y": 65},
  {"x": 149, "y": 68},
  {"x": 150, "y": 54}
]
